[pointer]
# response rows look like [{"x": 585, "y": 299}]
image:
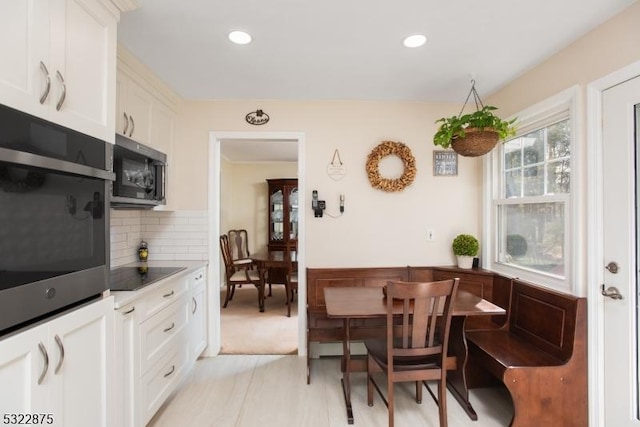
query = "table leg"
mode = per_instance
[
  {"x": 262, "y": 272},
  {"x": 346, "y": 373},
  {"x": 456, "y": 379}
]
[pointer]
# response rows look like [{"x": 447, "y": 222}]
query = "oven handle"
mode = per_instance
[{"x": 35, "y": 160}]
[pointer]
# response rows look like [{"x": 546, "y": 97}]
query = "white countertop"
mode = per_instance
[{"x": 123, "y": 298}]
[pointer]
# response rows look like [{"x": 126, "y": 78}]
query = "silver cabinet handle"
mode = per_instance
[
  {"x": 61, "y": 348},
  {"x": 173, "y": 325},
  {"x": 195, "y": 305},
  {"x": 64, "y": 91},
  {"x": 173, "y": 368},
  {"x": 45, "y": 94},
  {"x": 130, "y": 311},
  {"x": 45, "y": 368},
  {"x": 126, "y": 123},
  {"x": 133, "y": 125},
  {"x": 170, "y": 294}
]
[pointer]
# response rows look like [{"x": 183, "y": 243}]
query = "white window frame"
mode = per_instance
[{"x": 535, "y": 117}]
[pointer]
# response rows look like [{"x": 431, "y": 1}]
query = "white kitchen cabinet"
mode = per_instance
[
  {"x": 198, "y": 314},
  {"x": 126, "y": 330},
  {"x": 135, "y": 105},
  {"x": 160, "y": 333},
  {"x": 63, "y": 367},
  {"x": 59, "y": 62}
]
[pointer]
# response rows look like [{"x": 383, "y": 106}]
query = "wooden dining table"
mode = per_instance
[
  {"x": 266, "y": 261},
  {"x": 350, "y": 303}
]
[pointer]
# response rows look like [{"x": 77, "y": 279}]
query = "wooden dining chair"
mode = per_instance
[
  {"x": 415, "y": 346},
  {"x": 235, "y": 274},
  {"x": 291, "y": 279}
]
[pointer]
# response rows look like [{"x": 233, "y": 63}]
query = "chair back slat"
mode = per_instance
[
  {"x": 239, "y": 244},
  {"x": 426, "y": 317}
]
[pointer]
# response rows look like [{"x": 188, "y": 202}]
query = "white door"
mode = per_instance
[{"x": 621, "y": 113}]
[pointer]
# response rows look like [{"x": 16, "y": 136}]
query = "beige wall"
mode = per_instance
[
  {"x": 244, "y": 197},
  {"x": 377, "y": 228},
  {"x": 608, "y": 48},
  {"x": 380, "y": 228}
]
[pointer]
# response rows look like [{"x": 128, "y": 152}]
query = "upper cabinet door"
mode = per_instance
[
  {"x": 59, "y": 62},
  {"x": 25, "y": 77},
  {"x": 135, "y": 106},
  {"x": 83, "y": 58}
]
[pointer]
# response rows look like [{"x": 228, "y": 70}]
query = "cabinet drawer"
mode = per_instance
[
  {"x": 162, "y": 333},
  {"x": 197, "y": 278},
  {"x": 157, "y": 384},
  {"x": 167, "y": 293}
]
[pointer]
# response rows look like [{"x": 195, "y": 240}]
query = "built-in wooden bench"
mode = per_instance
[
  {"x": 322, "y": 329},
  {"x": 540, "y": 355}
]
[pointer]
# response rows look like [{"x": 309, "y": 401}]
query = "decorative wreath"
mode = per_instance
[{"x": 388, "y": 148}]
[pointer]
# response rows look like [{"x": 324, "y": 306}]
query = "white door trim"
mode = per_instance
[
  {"x": 214, "y": 272},
  {"x": 595, "y": 239}
]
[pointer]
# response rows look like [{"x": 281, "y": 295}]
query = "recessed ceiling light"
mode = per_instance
[
  {"x": 415, "y": 40},
  {"x": 240, "y": 37}
]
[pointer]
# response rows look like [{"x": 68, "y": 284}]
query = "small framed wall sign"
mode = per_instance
[{"x": 445, "y": 163}]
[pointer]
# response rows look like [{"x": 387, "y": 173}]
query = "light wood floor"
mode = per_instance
[{"x": 271, "y": 391}]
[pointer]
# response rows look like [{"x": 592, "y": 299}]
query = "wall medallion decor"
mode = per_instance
[
  {"x": 388, "y": 148},
  {"x": 336, "y": 169},
  {"x": 257, "y": 118}
]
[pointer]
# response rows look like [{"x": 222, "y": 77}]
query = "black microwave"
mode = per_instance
[{"x": 140, "y": 175}]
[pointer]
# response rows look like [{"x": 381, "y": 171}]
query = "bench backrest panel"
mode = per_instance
[
  {"x": 320, "y": 278},
  {"x": 544, "y": 317}
]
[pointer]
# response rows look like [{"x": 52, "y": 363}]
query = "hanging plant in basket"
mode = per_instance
[{"x": 473, "y": 134}]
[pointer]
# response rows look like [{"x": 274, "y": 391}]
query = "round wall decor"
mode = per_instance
[{"x": 388, "y": 148}]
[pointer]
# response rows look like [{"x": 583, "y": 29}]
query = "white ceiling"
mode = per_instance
[
  {"x": 352, "y": 49},
  {"x": 349, "y": 49}
]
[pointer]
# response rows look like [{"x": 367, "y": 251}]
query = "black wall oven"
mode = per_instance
[{"x": 54, "y": 218}]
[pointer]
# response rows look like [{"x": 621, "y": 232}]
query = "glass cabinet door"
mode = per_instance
[
  {"x": 283, "y": 213},
  {"x": 277, "y": 216},
  {"x": 293, "y": 214}
]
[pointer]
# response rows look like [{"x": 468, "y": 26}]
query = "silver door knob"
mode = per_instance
[
  {"x": 612, "y": 267},
  {"x": 611, "y": 292}
]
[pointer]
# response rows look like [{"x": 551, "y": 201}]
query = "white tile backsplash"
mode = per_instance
[{"x": 171, "y": 236}]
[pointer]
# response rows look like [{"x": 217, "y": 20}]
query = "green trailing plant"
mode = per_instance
[
  {"x": 465, "y": 245},
  {"x": 455, "y": 126}
]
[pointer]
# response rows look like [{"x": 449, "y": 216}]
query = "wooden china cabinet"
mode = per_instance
[{"x": 283, "y": 213}]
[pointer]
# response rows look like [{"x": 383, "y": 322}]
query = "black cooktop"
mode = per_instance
[{"x": 134, "y": 278}]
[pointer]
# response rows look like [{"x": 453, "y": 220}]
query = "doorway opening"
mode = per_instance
[{"x": 247, "y": 147}]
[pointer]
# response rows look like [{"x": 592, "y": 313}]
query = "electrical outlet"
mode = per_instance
[{"x": 430, "y": 235}]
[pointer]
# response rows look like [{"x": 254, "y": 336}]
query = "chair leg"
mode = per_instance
[
  {"x": 418, "y": 391},
  {"x": 228, "y": 296},
  {"x": 287, "y": 291},
  {"x": 390, "y": 398},
  {"x": 442, "y": 402}
]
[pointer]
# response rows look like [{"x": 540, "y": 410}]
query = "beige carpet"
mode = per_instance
[{"x": 247, "y": 331}]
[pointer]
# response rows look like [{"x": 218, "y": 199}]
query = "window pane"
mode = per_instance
[
  {"x": 512, "y": 153},
  {"x": 533, "y": 181},
  {"x": 513, "y": 182},
  {"x": 559, "y": 177},
  {"x": 533, "y": 147},
  {"x": 559, "y": 142},
  {"x": 532, "y": 236}
]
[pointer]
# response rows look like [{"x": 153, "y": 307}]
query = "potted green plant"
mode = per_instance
[
  {"x": 465, "y": 248},
  {"x": 473, "y": 134}
]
